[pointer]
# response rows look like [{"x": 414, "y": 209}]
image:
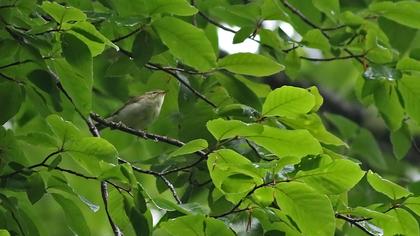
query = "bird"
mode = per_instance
[{"x": 139, "y": 112}]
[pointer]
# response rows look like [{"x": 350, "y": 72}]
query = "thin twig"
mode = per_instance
[
  {"x": 353, "y": 222},
  {"x": 333, "y": 58},
  {"x": 141, "y": 133},
  {"x": 183, "y": 82},
  {"x": 157, "y": 174},
  {"x": 128, "y": 35},
  {"x": 234, "y": 209}
]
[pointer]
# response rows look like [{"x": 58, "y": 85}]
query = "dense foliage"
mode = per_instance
[{"x": 311, "y": 135}]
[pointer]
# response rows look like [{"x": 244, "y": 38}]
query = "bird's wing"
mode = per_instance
[{"x": 131, "y": 100}]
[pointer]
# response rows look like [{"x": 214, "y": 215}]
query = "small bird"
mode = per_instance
[{"x": 139, "y": 112}]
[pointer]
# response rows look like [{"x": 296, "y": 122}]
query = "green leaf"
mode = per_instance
[
  {"x": 409, "y": 87},
  {"x": 312, "y": 123},
  {"x": 271, "y": 38},
  {"x": 41, "y": 139},
  {"x": 64, "y": 130},
  {"x": 186, "y": 42},
  {"x": 243, "y": 34},
  {"x": 233, "y": 174},
  {"x": 297, "y": 143},
  {"x": 390, "y": 189},
  {"x": 182, "y": 226},
  {"x": 11, "y": 98},
  {"x": 190, "y": 147},
  {"x": 288, "y": 101},
  {"x": 401, "y": 141},
  {"x": 413, "y": 203},
  {"x": 264, "y": 196},
  {"x": 330, "y": 7},
  {"x": 315, "y": 39},
  {"x": 223, "y": 129},
  {"x": 388, "y": 103},
  {"x": 337, "y": 177},
  {"x": 77, "y": 54},
  {"x": 319, "y": 100},
  {"x": 250, "y": 64},
  {"x": 214, "y": 227},
  {"x": 174, "y": 7},
  {"x": 79, "y": 87},
  {"x": 87, "y": 32},
  {"x": 403, "y": 224},
  {"x": 89, "y": 147},
  {"x": 142, "y": 48},
  {"x": 4, "y": 232},
  {"x": 63, "y": 14},
  {"x": 74, "y": 215},
  {"x": 403, "y": 12},
  {"x": 239, "y": 91},
  {"x": 36, "y": 188},
  {"x": 304, "y": 205}
]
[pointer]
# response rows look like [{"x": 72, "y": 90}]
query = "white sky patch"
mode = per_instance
[{"x": 226, "y": 42}]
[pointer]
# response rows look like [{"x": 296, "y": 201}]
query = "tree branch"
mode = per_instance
[
  {"x": 333, "y": 58},
  {"x": 141, "y": 133}
]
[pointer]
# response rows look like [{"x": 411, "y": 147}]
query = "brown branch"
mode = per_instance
[
  {"x": 333, "y": 58},
  {"x": 141, "y": 133},
  {"x": 313, "y": 25},
  {"x": 354, "y": 222}
]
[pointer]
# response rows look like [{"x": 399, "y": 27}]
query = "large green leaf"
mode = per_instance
[
  {"x": 297, "y": 143},
  {"x": 403, "y": 12},
  {"x": 182, "y": 226},
  {"x": 63, "y": 14},
  {"x": 404, "y": 223},
  {"x": 288, "y": 101},
  {"x": 190, "y": 147},
  {"x": 89, "y": 147},
  {"x": 223, "y": 129},
  {"x": 388, "y": 104},
  {"x": 186, "y": 42},
  {"x": 310, "y": 210},
  {"x": 174, "y": 7},
  {"x": 312, "y": 123},
  {"x": 11, "y": 98},
  {"x": 77, "y": 54},
  {"x": 74, "y": 215},
  {"x": 78, "y": 87},
  {"x": 250, "y": 64},
  {"x": 337, "y": 177},
  {"x": 413, "y": 203},
  {"x": 409, "y": 87},
  {"x": 401, "y": 141},
  {"x": 64, "y": 130},
  {"x": 315, "y": 39},
  {"x": 216, "y": 227},
  {"x": 390, "y": 189}
]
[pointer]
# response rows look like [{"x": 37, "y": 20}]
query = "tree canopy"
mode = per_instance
[{"x": 313, "y": 134}]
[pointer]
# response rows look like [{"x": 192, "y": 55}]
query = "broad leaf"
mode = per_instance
[
  {"x": 174, "y": 7},
  {"x": 190, "y": 147},
  {"x": 288, "y": 101},
  {"x": 250, "y": 64},
  {"x": 403, "y": 12},
  {"x": 11, "y": 98},
  {"x": 283, "y": 143},
  {"x": 337, "y": 177},
  {"x": 186, "y": 42},
  {"x": 409, "y": 87},
  {"x": 390, "y": 189},
  {"x": 223, "y": 129},
  {"x": 311, "y": 211}
]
